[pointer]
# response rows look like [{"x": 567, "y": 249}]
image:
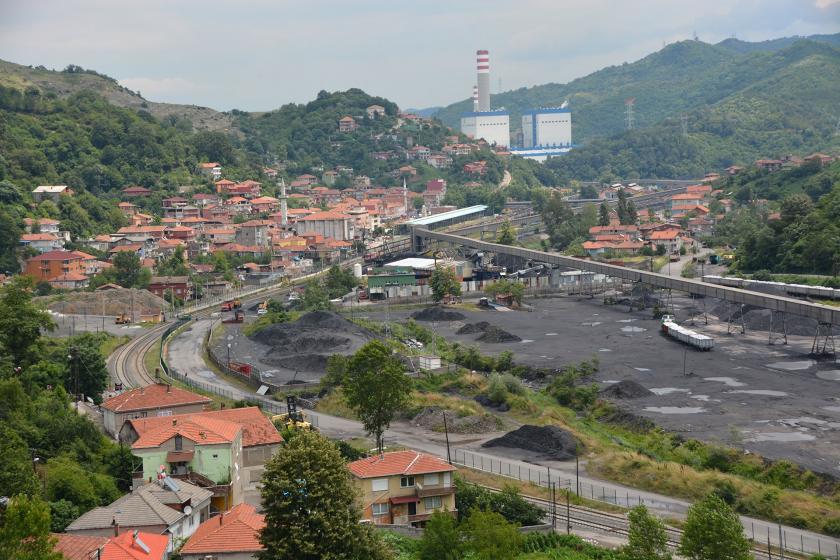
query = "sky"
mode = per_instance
[{"x": 260, "y": 54}]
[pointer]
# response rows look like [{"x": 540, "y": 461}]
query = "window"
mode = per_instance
[
  {"x": 432, "y": 502},
  {"x": 179, "y": 442},
  {"x": 380, "y": 509},
  {"x": 379, "y": 484},
  {"x": 406, "y": 481},
  {"x": 430, "y": 479}
]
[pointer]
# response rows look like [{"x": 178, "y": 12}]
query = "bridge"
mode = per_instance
[
  {"x": 824, "y": 314},
  {"x": 649, "y": 200}
]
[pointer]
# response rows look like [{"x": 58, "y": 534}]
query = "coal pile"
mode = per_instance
[
  {"x": 627, "y": 389},
  {"x": 473, "y": 328},
  {"x": 495, "y": 334},
  {"x": 550, "y": 441},
  {"x": 437, "y": 314},
  {"x": 627, "y": 420},
  {"x": 431, "y": 418},
  {"x": 306, "y": 344}
]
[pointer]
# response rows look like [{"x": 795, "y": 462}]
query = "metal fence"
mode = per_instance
[{"x": 791, "y": 541}]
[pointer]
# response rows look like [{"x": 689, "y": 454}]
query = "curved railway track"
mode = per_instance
[{"x": 126, "y": 364}]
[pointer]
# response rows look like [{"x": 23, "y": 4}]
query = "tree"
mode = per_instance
[
  {"x": 339, "y": 281},
  {"x": 490, "y": 537},
  {"x": 441, "y": 540},
  {"x": 16, "y": 473},
  {"x": 376, "y": 387},
  {"x": 174, "y": 265},
  {"x": 507, "y": 234},
  {"x": 10, "y": 232},
  {"x": 588, "y": 192},
  {"x": 504, "y": 286},
  {"x": 25, "y": 531},
  {"x": 647, "y": 538},
  {"x": 443, "y": 283},
  {"x": 603, "y": 214},
  {"x": 315, "y": 298},
  {"x": 127, "y": 268},
  {"x": 310, "y": 506},
  {"x": 21, "y": 321},
  {"x": 713, "y": 532},
  {"x": 86, "y": 366}
]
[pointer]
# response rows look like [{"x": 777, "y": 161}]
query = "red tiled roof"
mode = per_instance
[
  {"x": 235, "y": 531},
  {"x": 78, "y": 547},
  {"x": 202, "y": 431},
  {"x": 124, "y": 547},
  {"x": 158, "y": 395},
  {"x": 399, "y": 463},
  {"x": 664, "y": 235},
  {"x": 257, "y": 429},
  {"x": 38, "y": 237}
]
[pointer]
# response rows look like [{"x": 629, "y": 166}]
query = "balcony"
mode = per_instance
[{"x": 426, "y": 491}]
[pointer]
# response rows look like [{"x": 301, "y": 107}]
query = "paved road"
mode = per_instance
[
  {"x": 675, "y": 268},
  {"x": 184, "y": 357}
]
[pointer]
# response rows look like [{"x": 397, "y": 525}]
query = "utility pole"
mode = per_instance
[{"x": 446, "y": 431}]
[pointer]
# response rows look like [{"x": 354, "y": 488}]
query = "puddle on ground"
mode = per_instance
[
  {"x": 526, "y": 340},
  {"x": 632, "y": 329},
  {"x": 781, "y": 437},
  {"x": 729, "y": 381},
  {"x": 832, "y": 375},
  {"x": 551, "y": 334},
  {"x": 792, "y": 366},
  {"x": 593, "y": 324},
  {"x": 625, "y": 320},
  {"x": 763, "y": 392},
  {"x": 675, "y": 409},
  {"x": 832, "y": 408},
  {"x": 641, "y": 369},
  {"x": 668, "y": 390},
  {"x": 604, "y": 350},
  {"x": 704, "y": 398}
]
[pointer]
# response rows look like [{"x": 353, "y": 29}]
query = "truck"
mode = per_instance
[
  {"x": 238, "y": 317},
  {"x": 231, "y": 304}
]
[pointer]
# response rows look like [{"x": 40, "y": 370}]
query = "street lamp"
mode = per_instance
[{"x": 228, "y": 355}]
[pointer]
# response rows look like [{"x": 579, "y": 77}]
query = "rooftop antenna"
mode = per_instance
[{"x": 628, "y": 112}]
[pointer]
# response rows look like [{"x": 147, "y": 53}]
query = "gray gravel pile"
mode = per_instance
[
  {"x": 550, "y": 441},
  {"x": 431, "y": 418},
  {"x": 473, "y": 328},
  {"x": 627, "y": 389}
]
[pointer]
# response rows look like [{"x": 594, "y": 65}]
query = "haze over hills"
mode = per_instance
[{"x": 75, "y": 79}]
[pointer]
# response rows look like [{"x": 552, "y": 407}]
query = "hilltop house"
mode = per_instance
[
  {"x": 160, "y": 399},
  {"x": 234, "y": 535}
]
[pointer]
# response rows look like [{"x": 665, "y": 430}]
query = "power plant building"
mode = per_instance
[
  {"x": 547, "y": 128},
  {"x": 481, "y": 122}
]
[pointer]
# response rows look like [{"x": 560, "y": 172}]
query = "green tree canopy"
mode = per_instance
[
  {"x": 713, "y": 532},
  {"x": 25, "y": 530},
  {"x": 310, "y": 506},
  {"x": 21, "y": 321},
  {"x": 490, "y": 537},
  {"x": 505, "y": 286},
  {"x": 506, "y": 234},
  {"x": 441, "y": 539},
  {"x": 647, "y": 538},
  {"x": 443, "y": 282},
  {"x": 376, "y": 387}
]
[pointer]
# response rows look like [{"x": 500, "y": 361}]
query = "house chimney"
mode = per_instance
[
  {"x": 221, "y": 519},
  {"x": 168, "y": 387},
  {"x": 142, "y": 389},
  {"x": 116, "y": 527},
  {"x": 174, "y": 421}
]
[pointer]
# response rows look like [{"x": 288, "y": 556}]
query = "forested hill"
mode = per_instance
[
  {"x": 682, "y": 77},
  {"x": 75, "y": 79}
]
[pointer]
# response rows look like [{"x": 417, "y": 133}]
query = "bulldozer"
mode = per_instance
[
  {"x": 122, "y": 319},
  {"x": 293, "y": 418}
]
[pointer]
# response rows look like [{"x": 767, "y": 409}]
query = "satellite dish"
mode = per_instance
[{"x": 187, "y": 510}]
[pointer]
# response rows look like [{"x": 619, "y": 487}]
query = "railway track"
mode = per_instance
[{"x": 126, "y": 365}]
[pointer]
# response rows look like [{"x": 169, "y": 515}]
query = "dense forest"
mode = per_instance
[{"x": 806, "y": 236}]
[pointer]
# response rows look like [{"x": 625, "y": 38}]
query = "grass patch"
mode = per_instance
[
  {"x": 112, "y": 343},
  {"x": 152, "y": 358},
  {"x": 335, "y": 404}
]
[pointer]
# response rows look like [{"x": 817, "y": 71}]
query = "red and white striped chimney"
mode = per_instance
[
  {"x": 482, "y": 59},
  {"x": 475, "y": 98}
]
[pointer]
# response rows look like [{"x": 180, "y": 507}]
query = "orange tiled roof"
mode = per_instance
[
  {"x": 158, "y": 395},
  {"x": 203, "y": 431},
  {"x": 78, "y": 547},
  {"x": 124, "y": 547},
  {"x": 257, "y": 429},
  {"x": 235, "y": 531},
  {"x": 399, "y": 463}
]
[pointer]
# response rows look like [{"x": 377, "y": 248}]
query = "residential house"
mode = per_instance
[
  {"x": 136, "y": 191},
  {"x": 669, "y": 238},
  {"x": 347, "y": 124},
  {"x": 202, "y": 199},
  {"x": 218, "y": 236},
  {"x": 133, "y": 545},
  {"x": 769, "y": 164},
  {"x": 686, "y": 199},
  {"x": 163, "y": 286},
  {"x": 250, "y": 251},
  {"x": 234, "y": 535},
  {"x": 52, "y": 264},
  {"x": 128, "y": 209},
  {"x": 253, "y": 232},
  {"x": 329, "y": 224},
  {"x": 361, "y": 181},
  {"x": 439, "y": 161},
  {"x": 51, "y": 192},
  {"x": 159, "y": 399},
  {"x": 476, "y": 168},
  {"x": 419, "y": 153},
  {"x": 407, "y": 171},
  {"x": 162, "y": 506},
  {"x": 222, "y": 450},
  {"x": 329, "y": 177},
  {"x": 733, "y": 170},
  {"x": 307, "y": 179},
  {"x": 42, "y": 242},
  {"x": 70, "y": 281},
  {"x": 375, "y": 111},
  {"x": 404, "y": 487},
  {"x": 211, "y": 169},
  {"x": 269, "y": 172}
]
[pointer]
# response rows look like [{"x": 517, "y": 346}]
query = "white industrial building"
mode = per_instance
[
  {"x": 493, "y": 126},
  {"x": 547, "y": 128}
]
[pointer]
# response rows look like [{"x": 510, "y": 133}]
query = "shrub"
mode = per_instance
[
  {"x": 496, "y": 389},
  {"x": 832, "y": 527}
]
